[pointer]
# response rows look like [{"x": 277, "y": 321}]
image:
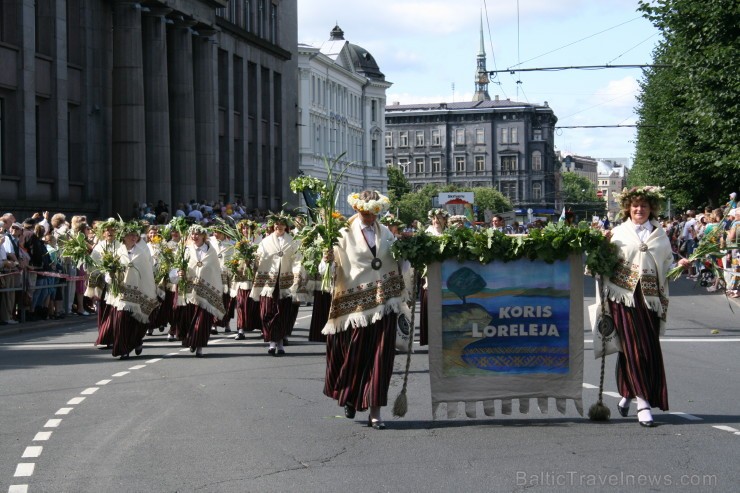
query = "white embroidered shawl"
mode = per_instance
[
  {"x": 270, "y": 264},
  {"x": 361, "y": 295},
  {"x": 646, "y": 263},
  {"x": 204, "y": 286},
  {"x": 138, "y": 293}
]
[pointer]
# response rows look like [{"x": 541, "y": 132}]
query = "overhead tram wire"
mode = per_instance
[
  {"x": 578, "y": 67},
  {"x": 635, "y": 46}
]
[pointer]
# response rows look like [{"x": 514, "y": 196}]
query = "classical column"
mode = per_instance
[
  {"x": 158, "y": 176},
  {"x": 182, "y": 113},
  {"x": 129, "y": 144},
  {"x": 206, "y": 138}
]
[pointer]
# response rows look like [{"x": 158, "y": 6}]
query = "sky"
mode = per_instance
[{"x": 427, "y": 47}]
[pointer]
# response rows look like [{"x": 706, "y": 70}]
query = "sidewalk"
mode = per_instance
[{"x": 69, "y": 320}]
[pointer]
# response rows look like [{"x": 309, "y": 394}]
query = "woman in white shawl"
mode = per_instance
[
  {"x": 438, "y": 218},
  {"x": 276, "y": 282},
  {"x": 638, "y": 301},
  {"x": 201, "y": 301},
  {"x": 368, "y": 295}
]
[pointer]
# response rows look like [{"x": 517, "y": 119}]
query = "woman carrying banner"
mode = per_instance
[
  {"x": 438, "y": 218},
  {"x": 276, "y": 282},
  {"x": 367, "y": 296},
  {"x": 638, "y": 301}
]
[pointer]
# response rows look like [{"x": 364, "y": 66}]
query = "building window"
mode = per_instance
[
  {"x": 536, "y": 191},
  {"x": 460, "y": 163},
  {"x": 273, "y": 23},
  {"x": 508, "y": 165},
  {"x": 480, "y": 163},
  {"x": 436, "y": 165},
  {"x": 374, "y": 110},
  {"x": 403, "y": 138},
  {"x": 419, "y": 165},
  {"x": 403, "y": 163},
  {"x": 419, "y": 138},
  {"x": 508, "y": 189},
  {"x": 537, "y": 134},
  {"x": 460, "y": 136},
  {"x": 504, "y": 135},
  {"x": 436, "y": 139},
  {"x": 261, "y": 15},
  {"x": 388, "y": 140},
  {"x": 536, "y": 161},
  {"x": 514, "y": 135},
  {"x": 480, "y": 136},
  {"x": 388, "y": 162}
]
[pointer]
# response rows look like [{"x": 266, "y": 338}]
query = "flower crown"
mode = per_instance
[
  {"x": 279, "y": 217},
  {"x": 132, "y": 227},
  {"x": 438, "y": 212},
  {"x": 647, "y": 192},
  {"x": 377, "y": 206},
  {"x": 251, "y": 225},
  {"x": 198, "y": 229}
]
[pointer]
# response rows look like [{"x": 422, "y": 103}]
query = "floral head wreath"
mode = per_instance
[
  {"x": 250, "y": 225},
  {"x": 458, "y": 219},
  {"x": 376, "y": 206},
  {"x": 197, "y": 229},
  {"x": 279, "y": 217},
  {"x": 130, "y": 228},
  {"x": 647, "y": 192},
  {"x": 438, "y": 212}
]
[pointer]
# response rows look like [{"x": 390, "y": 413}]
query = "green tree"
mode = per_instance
[
  {"x": 398, "y": 185},
  {"x": 578, "y": 189},
  {"x": 490, "y": 199},
  {"x": 689, "y": 109}
]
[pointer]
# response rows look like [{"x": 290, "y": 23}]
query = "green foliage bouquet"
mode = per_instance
[{"x": 323, "y": 233}]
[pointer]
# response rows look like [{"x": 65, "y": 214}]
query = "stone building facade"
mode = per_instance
[
  {"x": 497, "y": 143},
  {"x": 105, "y": 103},
  {"x": 341, "y": 103}
]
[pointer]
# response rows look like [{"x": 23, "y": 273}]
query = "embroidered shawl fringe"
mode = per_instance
[{"x": 367, "y": 317}]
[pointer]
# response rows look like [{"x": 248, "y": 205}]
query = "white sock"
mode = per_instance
[
  {"x": 625, "y": 402},
  {"x": 272, "y": 345},
  {"x": 645, "y": 415},
  {"x": 241, "y": 331}
]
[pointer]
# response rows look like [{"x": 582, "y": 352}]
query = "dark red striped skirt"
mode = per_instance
[
  {"x": 247, "y": 311},
  {"x": 195, "y": 325},
  {"x": 640, "y": 371},
  {"x": 423, "y": 318},
  {"x": 319, "y": 315},
  {"x": 229, "y": 304},
  {"x": 105, "y": 334},
  {"x": 278, "y": 316},
  {"x": 359, "y": 364},
  {"x": 128, "y": 333}
]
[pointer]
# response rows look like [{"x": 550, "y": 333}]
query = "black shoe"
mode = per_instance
[
  {"x": 227, "y": 330},
  {"x": 138, "y": 350},
  {"x": 192, "y": 349},
  {"x": 214, "y": 331},
  {"x": 623, "y": 411},
  {"x": 645, "y": 424},
  {"x": 378, "y": 425},
  {"x": 280, "y": 352},
  {"x": 198, "y": 355},
  {"x": 349, "y": 411},
  {"x": 161, "y": 329},
  {"x": 240, "y": 336},
  {"x": 272, "y": 351},
  {"x": 124, "y": 356},
  {"x": 285, "y": 341}
]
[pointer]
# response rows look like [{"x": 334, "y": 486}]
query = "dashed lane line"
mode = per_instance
[
  {"x": 64, "y": 410},
  {"x": 32, "y": 452},
  {"x": 24, "y": 469}
]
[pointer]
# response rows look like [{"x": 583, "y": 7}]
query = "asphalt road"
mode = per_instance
[{"x": 75, "y": 419}]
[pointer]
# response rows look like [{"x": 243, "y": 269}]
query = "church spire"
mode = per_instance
[{"x": 481, "y": 74}]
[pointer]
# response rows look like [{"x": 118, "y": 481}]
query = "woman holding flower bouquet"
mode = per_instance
[
  {"x": 247, "y": 309},
  {"x": 368, "y": 294},
  {"x": 276, "y": 282},
  {"x": 637, "y": 296},
  {"x": 97, "y": 288},
  {"x": 199, "y": 290},
  {"x": 133, "y": 303},
  {"x": 224, "y": 251}
]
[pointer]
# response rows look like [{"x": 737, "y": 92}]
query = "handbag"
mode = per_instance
[
  {"x": 606, "y": 338},
  {"x": 403, "y": 333}
]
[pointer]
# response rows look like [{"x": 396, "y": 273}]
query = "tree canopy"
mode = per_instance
[{"x": 689, "y": 108}]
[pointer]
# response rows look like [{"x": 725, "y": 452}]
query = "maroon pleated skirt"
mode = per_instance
[
  {"x": 423, "y": 318},
  {"x": 359, "y": 364},
  {"x": 278, "y": 316},
  {"x": 247, "y": 311},
  {"x": 128, "y": 333},
  {"x": 195, "y": 326},
  {"x": 229, "y": 304},
  {"x": 640, "y": 371},
  {"x": 319, "y": 315},
  {"x": 105, "y": 334}
]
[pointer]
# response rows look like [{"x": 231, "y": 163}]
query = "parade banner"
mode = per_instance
[{"x": 503, "y": 331}]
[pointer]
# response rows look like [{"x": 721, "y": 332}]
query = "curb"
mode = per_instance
[{"x": 39, "y": 325}]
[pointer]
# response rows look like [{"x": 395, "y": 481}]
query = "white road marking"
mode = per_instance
[
  {"x": 64, "y": 410},
  {"x": 613, "y": 394},
  {"x": 589, "y": 386},
  {"x": 172, "y": 354},
  {"x": 75, "y": 401},
  {"x": 52, "y": 423},
  {"x": 690, "y": 417},
  {"x": 89, "y": 391},
  {"x": 42, "y": 436},
  {"x": 184, "y": 349},
  {"x": 305, "y": 316},
  {"x": 153, "y": 360},
  {"x": 32, "y": 452},
  {"x": 18, "y": 488},
  {"x": 726, "y": 428},
  {"x": 137, "y": 367},
  {"x": 104, "y": 382},
  {"x": 24, "y": 469},
  {"x": 121, "y": 373}
]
